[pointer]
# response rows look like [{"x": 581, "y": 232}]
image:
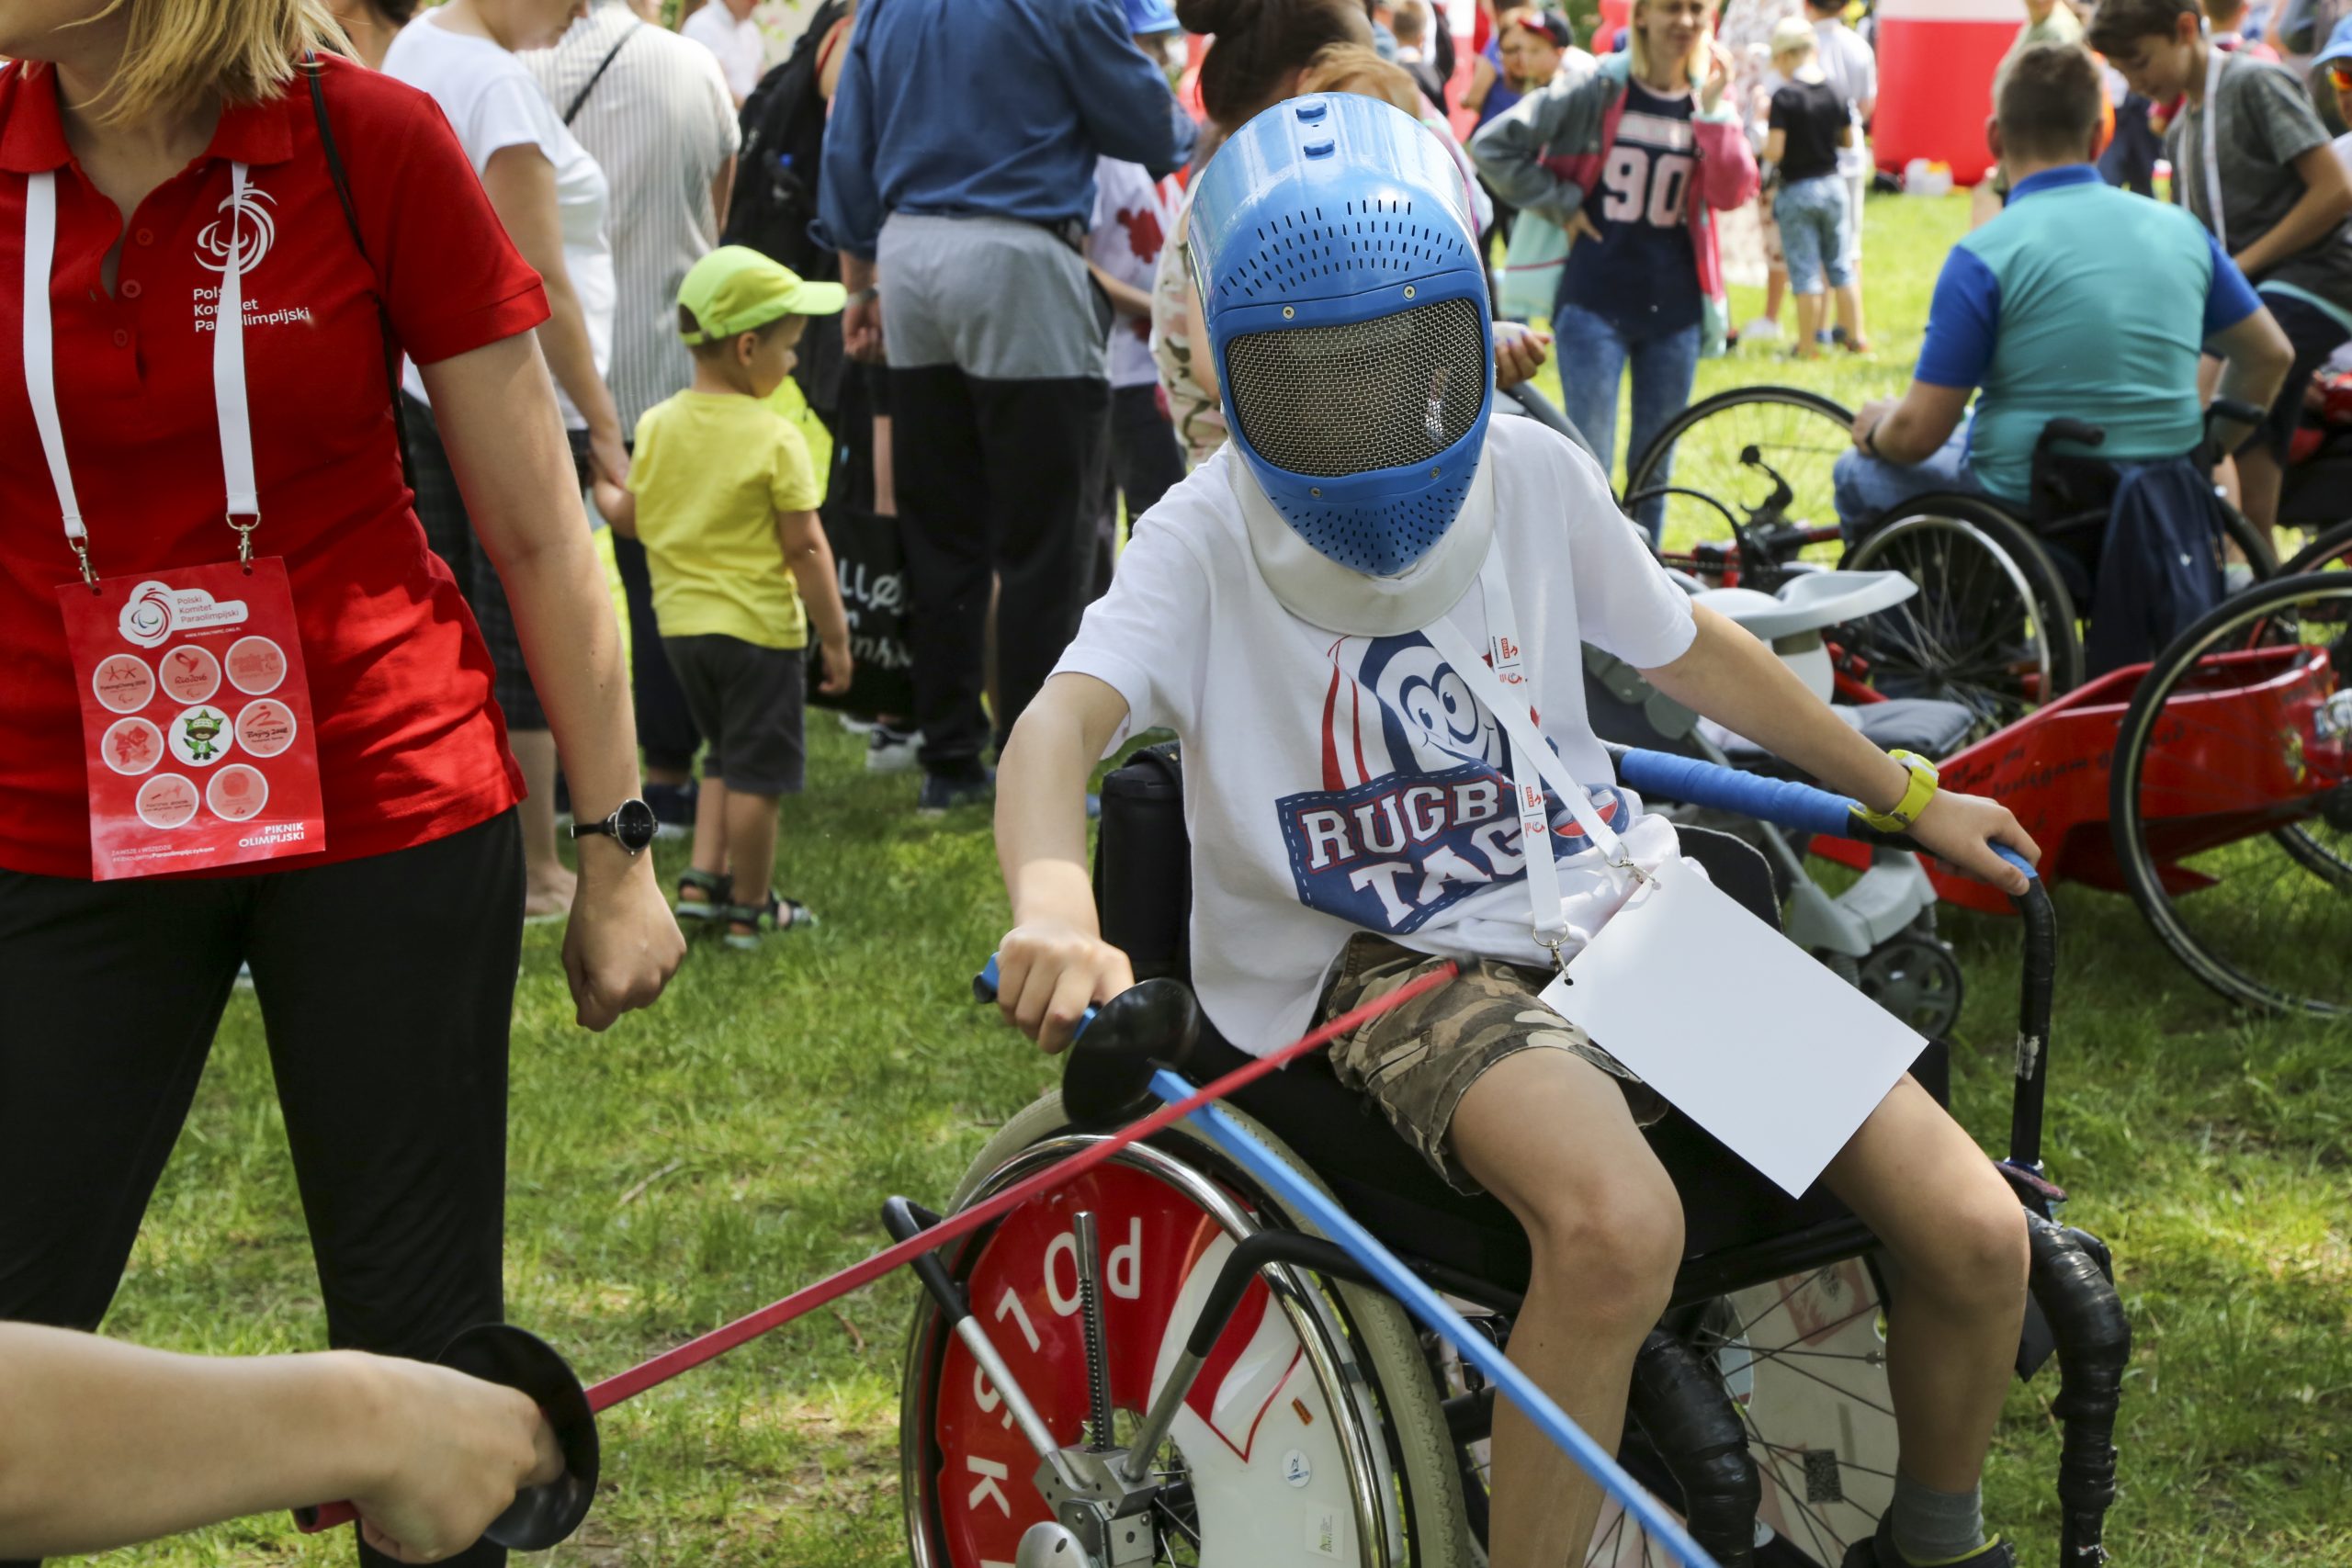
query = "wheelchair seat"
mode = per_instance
[{"x": 1926, "y": 724}]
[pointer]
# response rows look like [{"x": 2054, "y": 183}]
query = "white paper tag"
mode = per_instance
[{"x": 1738, "y": 1028}]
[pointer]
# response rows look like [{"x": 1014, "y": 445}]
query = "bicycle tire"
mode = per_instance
[
  {"x": 2143, "y": 876},
  {"x": 1650, "y": 470}
]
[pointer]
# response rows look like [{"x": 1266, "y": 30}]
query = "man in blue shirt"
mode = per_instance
[
  {"x": 2079, "y": 300},
  {"x": 959, "y": 179}
]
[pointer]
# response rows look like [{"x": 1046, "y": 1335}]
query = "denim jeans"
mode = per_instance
[
  {"x": 1592, "y": 352},
  {"x": 1815, "y": 233},
  {"x": 1868, "y": 487}
]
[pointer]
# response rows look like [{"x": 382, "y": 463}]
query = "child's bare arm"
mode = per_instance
[
  {"x": 810, "y": 558},
  {"x": 2327, "y": 196},
  {"x": 617, "y": 506},
  {"x": 1735, "y": 680},
  {"x": 1126, "y": 297},
  {"x": 1053, "y": 961}
]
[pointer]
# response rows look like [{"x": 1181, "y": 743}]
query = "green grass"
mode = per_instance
[{"x": 705, "y": 1159}]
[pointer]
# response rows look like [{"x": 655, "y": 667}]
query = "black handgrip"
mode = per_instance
[
  {"x": 1241, "y": 1266},
  {"x": 905, "y": 1220},
  {"x": 542, "y": 1516}
]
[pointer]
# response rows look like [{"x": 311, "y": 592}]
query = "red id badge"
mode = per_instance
[{"x": 196, "y": 720}]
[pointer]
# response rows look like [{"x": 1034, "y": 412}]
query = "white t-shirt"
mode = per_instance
[
  {"x": 1850, "y": 68},
  {"x": 660, "y": 124},
  {"x": 741, "y": 47},
  {"x": 1334, "y": 784},
  {"x": 1132, "y": 214},
  {"x": 492, "y": 103}
]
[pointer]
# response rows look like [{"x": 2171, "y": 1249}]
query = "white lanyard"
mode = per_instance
[
  {"x": 2209, "y": 123},
  {"x": 1494, "y": 689},
  {"x": 232, "y": 411}
]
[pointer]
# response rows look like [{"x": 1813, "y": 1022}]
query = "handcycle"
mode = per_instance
[
  {"x": 1192, "y": 1376},
  {"x": 2213, "y": 784},
  {"x": 1997, "y": 624}
]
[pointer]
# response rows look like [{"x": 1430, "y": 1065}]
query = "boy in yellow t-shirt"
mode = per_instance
[{"x": 723, "y": 497}]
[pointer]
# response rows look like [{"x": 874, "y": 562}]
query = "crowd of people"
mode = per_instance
[{"x": 1003, "y": 324}]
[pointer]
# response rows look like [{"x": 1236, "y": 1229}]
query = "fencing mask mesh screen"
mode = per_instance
[{"x": 1328, "y": 402}]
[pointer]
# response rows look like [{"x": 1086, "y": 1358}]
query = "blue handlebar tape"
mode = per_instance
[
  {"x": 1797, "y": 807},
  {"x": 1427, "y": 1305}
]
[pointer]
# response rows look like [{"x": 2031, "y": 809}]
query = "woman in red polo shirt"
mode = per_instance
[{"x": 245, "y": 715}]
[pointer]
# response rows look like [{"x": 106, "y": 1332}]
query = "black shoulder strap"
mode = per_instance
[
  {"x": 598, "y": 75},
  {"x": 311, "y": 72}
]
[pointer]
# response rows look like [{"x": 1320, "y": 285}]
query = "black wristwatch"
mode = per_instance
[{"x": 631, "y": 825}]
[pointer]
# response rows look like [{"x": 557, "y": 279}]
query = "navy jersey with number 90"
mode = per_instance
[{"x": 1641, "y": 274}]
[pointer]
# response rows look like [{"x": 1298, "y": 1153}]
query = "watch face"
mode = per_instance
[{"x": 633, "y": 825}]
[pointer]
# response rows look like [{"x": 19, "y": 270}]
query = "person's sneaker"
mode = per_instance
[
  {"x": 1879, "y": 1552},
  {"x": 890, "y": 751},
  {"x": 1763, "y": 329},
  {"x": 673, "y": 809},
  {"x": 855, "y": 724},
  {"x": 942, "y": 793}
]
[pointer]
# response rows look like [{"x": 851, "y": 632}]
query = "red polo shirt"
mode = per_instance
[{"x": 411, "y": 746}]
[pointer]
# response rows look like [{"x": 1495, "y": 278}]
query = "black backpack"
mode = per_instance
[{"x": 784, "y": 143}]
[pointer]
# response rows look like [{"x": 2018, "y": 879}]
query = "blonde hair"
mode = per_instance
[
  {"x": 1638, "y": 46},
  {"x": 1355, "y": 68},
  {"x": 244, "y": 52}
]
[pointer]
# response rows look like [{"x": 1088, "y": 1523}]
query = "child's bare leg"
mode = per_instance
[
  {"x": 1849, "y": 313},
  {"x": 1808, "y": 323},
  {"x": 1959, "y": 1237},
  {"x": 751, "y": 845},
  {"x": 1549, "y": 1134},
  {"x": 710, "y": 828},
  {"x": 1776, "y": 289}
]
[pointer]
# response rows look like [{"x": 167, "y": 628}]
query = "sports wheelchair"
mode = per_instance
[
  {"x": 1997, "y": 625},
  {"x": 1267, "y": 1409}
]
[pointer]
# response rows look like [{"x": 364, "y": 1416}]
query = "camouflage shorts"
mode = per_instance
[{"x": 1417, "y": 1061}]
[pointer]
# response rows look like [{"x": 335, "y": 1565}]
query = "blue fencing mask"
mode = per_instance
[{"x": 1346, "y": 306}]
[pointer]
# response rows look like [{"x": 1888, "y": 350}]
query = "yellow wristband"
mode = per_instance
[{"x": 1922, "y": 789}]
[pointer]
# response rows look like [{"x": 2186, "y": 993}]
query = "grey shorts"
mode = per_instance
[
  {"x": 750, "y": 703},
  {"x": 1417, "y": 1061}
]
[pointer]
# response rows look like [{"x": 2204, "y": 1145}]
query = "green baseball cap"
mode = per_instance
[{"x": 737, "y": 290}]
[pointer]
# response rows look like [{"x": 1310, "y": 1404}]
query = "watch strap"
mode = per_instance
[{"x": 1921, "y": 790}]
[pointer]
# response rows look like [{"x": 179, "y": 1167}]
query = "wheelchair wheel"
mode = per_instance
[
  {"x": 1731, "y": 447},
  {"x": 1313, "y": 1437},
  {"x": 1802, "y": 1361},
  {"x": 1991, "y": 627},
  {"x": 2231, "y": 801}
]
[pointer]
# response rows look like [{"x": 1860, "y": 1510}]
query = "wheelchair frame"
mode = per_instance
[{"x": 1095, "y": 1488}]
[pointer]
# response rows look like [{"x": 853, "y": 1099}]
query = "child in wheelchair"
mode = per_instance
[{"x": 1355, "y": 806}]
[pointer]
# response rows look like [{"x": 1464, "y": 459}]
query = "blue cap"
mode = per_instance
[
  {"x": 1151, "y": 16},
  {"x": 2339, "y": 45}
]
